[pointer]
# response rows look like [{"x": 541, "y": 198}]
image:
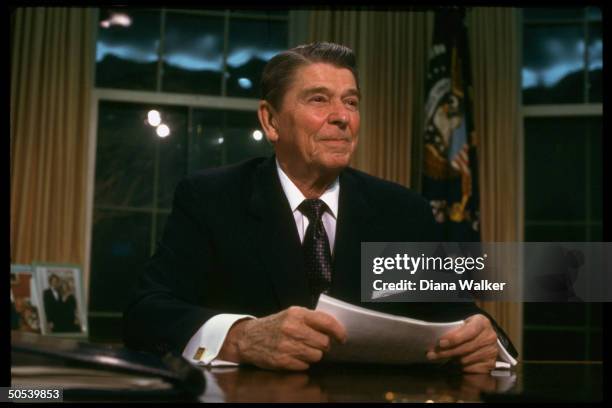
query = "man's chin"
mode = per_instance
[{"x": 336, "y": 161}]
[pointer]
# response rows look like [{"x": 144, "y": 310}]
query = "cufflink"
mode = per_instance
[{"x": 198, "y": 354}]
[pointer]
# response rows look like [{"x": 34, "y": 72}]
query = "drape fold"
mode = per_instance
[{"x": 51, "y": 84}]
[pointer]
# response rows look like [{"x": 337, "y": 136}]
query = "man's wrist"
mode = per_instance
[{"x": 230, "y": 351}]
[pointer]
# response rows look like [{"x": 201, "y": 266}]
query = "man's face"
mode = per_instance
[
  {"x": 54, "y": 282},
  {"x": 317, "y": 125}
]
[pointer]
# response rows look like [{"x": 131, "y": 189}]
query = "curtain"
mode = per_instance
[
  {"x": 493, "y": 37},
  {"x": 392, "y": 48},
  {"x": 51, "y": 74}
]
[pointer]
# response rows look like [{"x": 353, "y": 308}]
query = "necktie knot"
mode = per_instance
[{"x": 313, "y": 209}]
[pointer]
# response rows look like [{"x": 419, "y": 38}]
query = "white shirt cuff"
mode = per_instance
[
  {"x": 507, "y": 360},
  {"x": 205, "y": 344}
]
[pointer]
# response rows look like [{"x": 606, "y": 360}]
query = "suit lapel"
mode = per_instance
[
  {"x": 355, "y": 218},
  {"x": 277, "y": 237}
]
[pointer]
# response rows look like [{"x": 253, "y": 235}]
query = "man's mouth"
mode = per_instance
[{"x": 335, "y": 139}]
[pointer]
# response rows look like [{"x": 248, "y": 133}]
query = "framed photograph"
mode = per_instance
[
  {"x": 62, "y": 299},
  {"x": 25, "y": 304}
]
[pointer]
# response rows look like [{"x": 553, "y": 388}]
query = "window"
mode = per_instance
[
  {"x": 177, "y": 91},
  {"x": 219, "y": 53},
  {"x": 562, "y": 58},
  {"x": 562, "y": 66}
]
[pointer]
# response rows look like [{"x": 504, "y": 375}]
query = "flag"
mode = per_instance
[{"x": 450, "y": 166}]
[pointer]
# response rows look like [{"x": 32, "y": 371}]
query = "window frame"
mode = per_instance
[{"x": 566, "y": 110}]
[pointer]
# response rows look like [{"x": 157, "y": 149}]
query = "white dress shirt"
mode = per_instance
[{"x": 205, "y": 344}]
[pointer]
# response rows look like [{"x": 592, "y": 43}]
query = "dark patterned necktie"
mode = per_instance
[{"x": 317, "y": 255}]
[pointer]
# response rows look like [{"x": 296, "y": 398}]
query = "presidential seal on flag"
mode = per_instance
[{"x": 449, "y": 159}]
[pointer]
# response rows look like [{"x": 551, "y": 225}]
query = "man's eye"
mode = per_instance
[
  {"x": 318, "y": 98},
  {"x": 353, "y": 102}
]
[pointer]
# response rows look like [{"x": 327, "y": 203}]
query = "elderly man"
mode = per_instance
[{"x": 248, "y": 248}]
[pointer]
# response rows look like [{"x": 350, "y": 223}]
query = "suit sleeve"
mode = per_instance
[
  {"x": 167, "y": 308},
  {"x": 48, "y": 302}
]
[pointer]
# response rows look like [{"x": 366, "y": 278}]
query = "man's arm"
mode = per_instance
[
  {"x": 166, "y": 312},
  {"x": 289, "y": 340}
]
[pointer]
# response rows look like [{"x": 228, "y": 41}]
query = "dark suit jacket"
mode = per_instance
[
  {"x": 231, "y": 246},
  {"x": 53, "y": 309}
]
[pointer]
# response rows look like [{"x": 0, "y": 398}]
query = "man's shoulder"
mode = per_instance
[
  {"x": 384, "y": 191},
  {"x": 223, "y": 178}
]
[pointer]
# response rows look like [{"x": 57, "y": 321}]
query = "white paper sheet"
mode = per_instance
[{"x": 376, "y": 337}]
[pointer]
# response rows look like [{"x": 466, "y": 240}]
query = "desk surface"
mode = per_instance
[{"x": 533, "y": 381}]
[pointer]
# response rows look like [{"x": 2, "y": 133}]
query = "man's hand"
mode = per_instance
[
  {"x": 474, "y": 345},
  {"x": 292, "y": 339}
]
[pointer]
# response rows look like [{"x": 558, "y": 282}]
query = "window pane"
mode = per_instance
[
  {"x": 555, "y": 233},
  {"x": 125, "y": 155},
  {"x": 546, "y": 345},
  {"x": 161, "y": 224},
  {"x": 595, "y": 62},
  {"x": 553, "y": 14},
  {"x": 242, "y": 130},
  {"x": 252, "y": 43},
  {"x": 172, "y": 154},
  {"x": 225, "y": 137},
  {"x": 596, "y": 314},
  {"x": 596, "y": 233},
  {"x": 127, "y": 49},
  {"x": 555, "y": 150},
  {"x": 206, "y": 145},
  {"x": 193, "y": 54},
  {"x": 554, "y": 314},
  {"x": 596, "y": 167},
  {"x": 594, "y": 13},
  {"x": 553, "y": 64},
  {"x": 120, "y": 247},
  {"x": 596, "y": 346}
]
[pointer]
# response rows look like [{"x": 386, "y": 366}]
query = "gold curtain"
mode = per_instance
[
  {"x": 493, "y": 38},
  {"x": 392, "y": 58},
  {"x": 51, "y": 74},
  {"x": 391, "y": 48}
]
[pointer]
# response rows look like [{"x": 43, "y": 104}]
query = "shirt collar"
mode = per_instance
[{"x": 295, "y": 196}]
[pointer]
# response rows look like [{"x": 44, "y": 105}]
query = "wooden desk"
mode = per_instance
[
  {"x": 536, "y": 381},
  {"x": 531, "y": 381}
]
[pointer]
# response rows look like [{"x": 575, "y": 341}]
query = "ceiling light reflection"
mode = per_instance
[
  {"x": 154, "y": 118},
  {"x": 162, "y": 130}
]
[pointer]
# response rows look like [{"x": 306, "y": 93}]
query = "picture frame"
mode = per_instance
[
  {"x": 25, "y": 299},
  {"x": 62, "y": 299}
]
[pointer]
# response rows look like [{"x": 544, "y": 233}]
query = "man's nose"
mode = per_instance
[{"x": 339, "y": 115}]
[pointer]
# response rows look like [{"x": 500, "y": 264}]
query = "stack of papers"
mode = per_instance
[{"x": 374, "y": 337}]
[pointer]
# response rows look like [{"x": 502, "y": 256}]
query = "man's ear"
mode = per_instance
[{"x": 267, "y": 118}]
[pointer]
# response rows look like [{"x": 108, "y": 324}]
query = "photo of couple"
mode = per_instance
[
  {"x": 60, "y": 304},
  {"x": 48, "y": 299}
]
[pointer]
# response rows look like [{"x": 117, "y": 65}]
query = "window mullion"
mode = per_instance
[{"x": 160, "y": 50}]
